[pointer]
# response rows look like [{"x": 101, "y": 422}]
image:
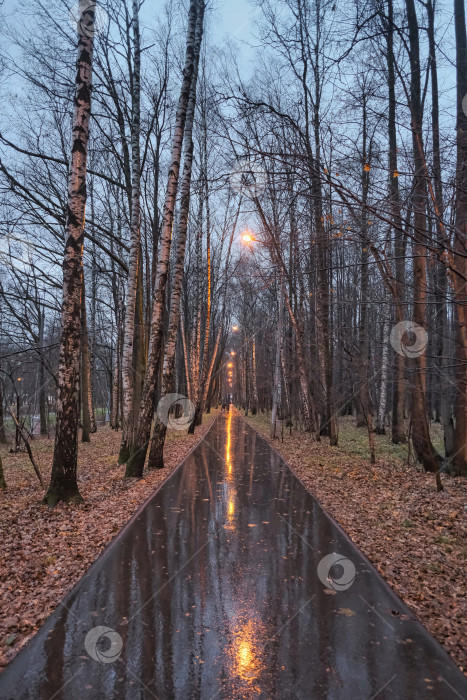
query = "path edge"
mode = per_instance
[
  {"x": 347, "y": 537},
  {"x": 43, "y": 629}
]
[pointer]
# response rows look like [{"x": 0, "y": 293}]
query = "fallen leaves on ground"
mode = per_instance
[
  {"x": 46, "y": 551},
  {"x": 415, "y": 537}
]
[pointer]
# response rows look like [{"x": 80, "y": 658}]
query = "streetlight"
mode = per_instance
[
  {"x": 248, "y": 238},
  {"x": 235, "y": 328},
  {"x": 230, "y": 364},
  {"x": 232, "y": 353}
]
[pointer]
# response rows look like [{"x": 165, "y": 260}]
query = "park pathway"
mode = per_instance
[{"x": 232, "y": 582}]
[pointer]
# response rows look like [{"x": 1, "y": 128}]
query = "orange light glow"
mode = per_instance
[
  {"x": 230, "y": 364},
  {"x": 235, "y": 328},
  {"x": 247, "y": 237},
  {"x": 232, "y": 353},
  {"x": 246, "y": 654},
  {"x": 227, "y": 444}
]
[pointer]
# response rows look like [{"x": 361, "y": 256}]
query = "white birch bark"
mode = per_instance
[
  {"x": 186, "y": 358},
  {"x": 135, "y": 465},
  {"x": 63, "y": 482},
  {"x": 128, "y": 374},
  {"x": 160, "y": 428},
  {"x": 384, "y": 377}
]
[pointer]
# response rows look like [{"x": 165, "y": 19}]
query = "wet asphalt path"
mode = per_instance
[{"x": 213, "y": 591}]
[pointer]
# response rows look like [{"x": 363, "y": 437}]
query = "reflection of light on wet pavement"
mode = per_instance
[
  {"x": 229, "y": 495},
  {"x": 246, "y": 660},
  {"x": 227, "y": 444},
  {"x": 230, "y": 507}
]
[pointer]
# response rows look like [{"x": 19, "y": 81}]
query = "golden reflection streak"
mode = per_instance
[
  {"x": 246, "y": 652},
  {"x": 228, "y": 443},
  {"x": 228, "y": 462}
]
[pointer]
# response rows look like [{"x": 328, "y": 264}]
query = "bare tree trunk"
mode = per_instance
[
  {"x": 309, "y": 409},
  {"x": 140, "y": 445},
  {"x": 441, "y": 324},
  {"x": 398, "y": 431},
  {"x": 85, "y": 368},
  {"x": 362, "y": 390},
  {"x": 419, "y": 421},
  {"x": 24, "y": 437},
  {"x": 17, "y": 425},
  {"x": 156, "y": 454},
  {"x": 285, "y": 383},
  {"x": 41, "y": 373},
  {"x": 364, "y": 399},
  {"x": 246, "y": 357},
  {"x": 363, "y": 393},
  {"x": 458, "y": 460},
  {"x": 329, "y": 425},
  {"x": 254, "y": 384},
  {"x": 92, "y": 325},
  {"x": 329, "y": 422},
  {"x": 114, "y": 423},
  {"x": 63, "y": 483},
  {"x": 3, "y": 440},
  {"x": 134, "y": 271},
  {"x": 277, "y": 369},
  {"x": 383, "y": 392},
  {"x": 198, "y": 414},
  {"x": 207, "y": 383},
  {"x": 140, "y": 344},
  {"x": 186, "y": 357},
  {"x": 2, "y": 476}
]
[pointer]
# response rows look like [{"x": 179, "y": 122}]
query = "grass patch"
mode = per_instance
[{"x": 354, "y": 441}]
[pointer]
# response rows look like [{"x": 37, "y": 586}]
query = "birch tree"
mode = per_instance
[
  {"x": 137, "y": 459},
  {"x": 63, "y": 482},
  {"x": 134, "y": 267},
  {"x": 160, "y": 428}
]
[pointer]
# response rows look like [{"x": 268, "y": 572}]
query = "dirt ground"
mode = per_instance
[
  {"x": 45, "y": 551},
  {"x": 415, "y": 537}
]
